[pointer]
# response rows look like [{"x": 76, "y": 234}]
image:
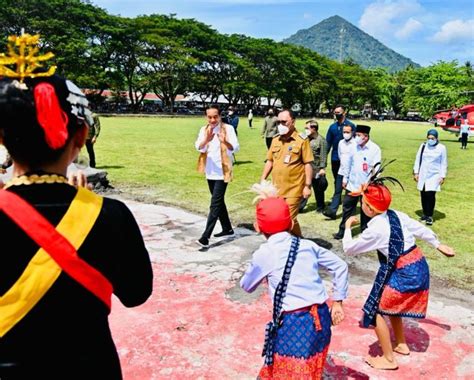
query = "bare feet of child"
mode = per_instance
[
  {"x": 402, "y": 348},
  {"x": 381, "y": 362}
]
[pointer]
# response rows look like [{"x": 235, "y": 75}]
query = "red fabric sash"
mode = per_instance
[{"x": 43, "y": 233}]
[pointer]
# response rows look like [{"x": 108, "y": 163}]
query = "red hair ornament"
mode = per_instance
[{"x": 50, "y": 116}]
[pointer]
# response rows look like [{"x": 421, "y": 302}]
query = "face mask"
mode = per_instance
[
  {"x": 431, "y": 142},
  {"x": 270, "y": 114},
  {"x": 283, "y": 129},
  {"x": 347, "y": 136},
  {"x": 359, "y": 140},
  {"x": 307, "y": 132},
  {"x": 339, "y": 116},
  {"x": 231, "y": 113}
]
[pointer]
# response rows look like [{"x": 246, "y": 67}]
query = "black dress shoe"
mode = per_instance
[
  {"x": 224, "y": 233},
  {"x": 338, "y": 236},
  {"x": 329, "y": 214},
  {"x": 203, "y": 242}
]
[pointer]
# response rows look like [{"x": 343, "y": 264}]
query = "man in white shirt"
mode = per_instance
[
  {"x": 365, "y": 155},
  {"x": 216, "y": 142},
  {"x": 344, "y": 150}
]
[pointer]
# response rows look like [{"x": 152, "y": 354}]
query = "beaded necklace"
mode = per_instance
[{"x": 35, "y": 179}]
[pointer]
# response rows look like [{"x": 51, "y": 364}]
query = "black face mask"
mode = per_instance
[{"x": 339, "y": 116}]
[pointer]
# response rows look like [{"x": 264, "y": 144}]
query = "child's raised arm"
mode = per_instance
[{"x": 256, "y": 272}]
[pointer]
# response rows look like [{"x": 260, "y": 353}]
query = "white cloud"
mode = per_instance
[
  {"x": 307, "y": 16},
  {"x": 455, "y": 30},
  {"x": 386, "y": 18},
  {"x": 411, "y": 26}
]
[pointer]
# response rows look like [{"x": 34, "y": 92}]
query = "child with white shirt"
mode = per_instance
[
  {"x": 297, "y": 339},
  {"x": 402, "y": 283}
]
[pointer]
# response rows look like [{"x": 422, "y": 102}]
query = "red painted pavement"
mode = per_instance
[{"x": 189, "y": 329}]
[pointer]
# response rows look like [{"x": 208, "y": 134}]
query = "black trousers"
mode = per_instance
[
  {"x": 268, "y": 141},
  {"x": 428, "y": 202},
  {"x": 336, "y": 198},
  {"x": 217, "y": 209},
  {"x": 90, "y": 151},
  {"x": 349, "y": 206},
  {"x": 319, "y": 189},
  {"x": 464, "y": 140}
]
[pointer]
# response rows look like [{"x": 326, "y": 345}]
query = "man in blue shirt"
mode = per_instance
[{"x": 333, "y": 136}]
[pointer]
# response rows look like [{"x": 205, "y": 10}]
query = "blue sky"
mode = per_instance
[{"x": 424, "y": 30}]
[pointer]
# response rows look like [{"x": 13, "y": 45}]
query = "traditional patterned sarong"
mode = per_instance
[
  {"x": 406, "y": 293},
  {"x": 402, "y": 281},
  {"x": 301, "y": 345}
]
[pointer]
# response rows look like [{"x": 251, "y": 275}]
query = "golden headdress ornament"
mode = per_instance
[{"x": 23, "y": 53}]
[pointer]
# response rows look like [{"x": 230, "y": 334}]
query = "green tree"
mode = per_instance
[{"x": 435, "y": 87}]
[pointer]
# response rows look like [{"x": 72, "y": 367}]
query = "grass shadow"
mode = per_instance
[
  {"x": 437, "y": 215},
  {"x": 110, "y": 167},
  {"x": 237, "y": 163}
]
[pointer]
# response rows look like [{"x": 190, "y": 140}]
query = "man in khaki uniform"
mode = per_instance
[{"x": 289, "y": 160}]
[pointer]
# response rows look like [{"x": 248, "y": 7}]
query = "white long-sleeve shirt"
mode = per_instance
[
  {"x": 360, "y": 163},
  {"x": 377, "y": 235},
  {"x": 434, "y": 167},
  {"x": 213, "y": 150},
  {"x": 345, "y": 149},
  {"x": 305, "y": 286}
]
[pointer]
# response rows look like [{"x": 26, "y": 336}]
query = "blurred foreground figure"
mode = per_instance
[{"x": 70, "y": 249}]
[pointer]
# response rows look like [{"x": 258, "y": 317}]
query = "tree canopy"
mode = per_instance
[{"x": 170, "y": 56}]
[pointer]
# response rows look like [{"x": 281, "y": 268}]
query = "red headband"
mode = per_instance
[
  {"x": 378, "y": 197},
  {"x": 273, "y": 216},
  {"x": 50, "y": 116}
]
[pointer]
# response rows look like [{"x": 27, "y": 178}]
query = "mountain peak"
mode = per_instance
[{"x": 338, "y": 39}]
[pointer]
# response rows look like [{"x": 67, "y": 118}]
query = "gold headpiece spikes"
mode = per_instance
[{"x": 22, "y": 52}]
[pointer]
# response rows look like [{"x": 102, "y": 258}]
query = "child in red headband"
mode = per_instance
[
  {"x": 297, "y": 339},
  {"x": 402, "y": 282}
]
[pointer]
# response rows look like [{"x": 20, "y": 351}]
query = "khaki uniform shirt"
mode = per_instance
[{"x": 289, "y": 158}]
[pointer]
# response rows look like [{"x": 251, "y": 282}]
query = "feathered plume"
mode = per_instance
[
  {"x": 377, "y": 170},
  {"x": 264, "y": 190}
]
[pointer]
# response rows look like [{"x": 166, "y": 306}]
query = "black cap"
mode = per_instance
[{"x": 363, "y": 129}]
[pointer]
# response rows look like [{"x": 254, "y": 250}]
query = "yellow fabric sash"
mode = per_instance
[
  {"x": 226, "y": 164},
  {"x": 42, "y": 271}
]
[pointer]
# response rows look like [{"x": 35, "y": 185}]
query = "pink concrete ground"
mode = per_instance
[
  {"x": 197, "y": 325},
  {"x": 190, "y": 330}
]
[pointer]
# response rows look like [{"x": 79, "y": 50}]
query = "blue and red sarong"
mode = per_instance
[
  {"x": 301, "y": 345},
  {"x": 406, "y": 292}
]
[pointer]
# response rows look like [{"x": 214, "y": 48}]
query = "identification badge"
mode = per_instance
[
  {"x": 287, "y": 159},
  {"x": 365, "y": 167}
]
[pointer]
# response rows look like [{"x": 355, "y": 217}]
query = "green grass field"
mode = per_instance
[{"x": 155, "y": 159}]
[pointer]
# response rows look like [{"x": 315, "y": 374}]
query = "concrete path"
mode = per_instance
[{"x": 199, "y": 324}]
